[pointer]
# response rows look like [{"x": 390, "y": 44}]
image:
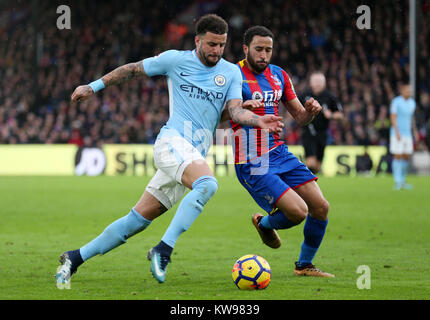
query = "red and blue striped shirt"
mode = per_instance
[{"x": 271, "y": 86}]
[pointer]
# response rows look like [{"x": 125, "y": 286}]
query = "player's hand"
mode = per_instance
[
  {"x": 82, "y": 93},
  {"x": 252, "y": 104},
  {"x": 327, "y": 113},
  {"x": 398, "y": 136},
  {"x": 312, "y": 107},
  {"x": 271, "y": 122}
]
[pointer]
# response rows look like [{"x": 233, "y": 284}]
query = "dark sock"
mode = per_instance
[
  {"x": 76, "y": 259},
  {"x": 277, "y": 220},
  {"x": 164, "y": 249}
]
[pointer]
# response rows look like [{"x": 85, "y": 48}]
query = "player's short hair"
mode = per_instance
[
  {"x": 402, "y": 84},
  {"x": 256, "y": 31},
  {"x": 211, "y": 23}
]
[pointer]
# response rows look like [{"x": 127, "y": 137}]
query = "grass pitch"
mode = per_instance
[{"x": 369, "y": 224}]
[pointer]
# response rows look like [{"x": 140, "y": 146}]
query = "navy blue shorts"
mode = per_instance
[{"x": 268, "y": 177}]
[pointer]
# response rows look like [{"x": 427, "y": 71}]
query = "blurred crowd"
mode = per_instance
[{"x": 41, "y": 65}]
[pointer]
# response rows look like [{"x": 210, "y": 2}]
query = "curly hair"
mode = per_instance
[
  {"x": 256, "y": 31},
  {"x": 211, "y": 23}
]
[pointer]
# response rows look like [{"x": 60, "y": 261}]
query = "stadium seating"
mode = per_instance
[{"x": 41, "y": 65}]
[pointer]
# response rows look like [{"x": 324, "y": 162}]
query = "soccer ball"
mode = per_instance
[{"x": 251, "y": 272}]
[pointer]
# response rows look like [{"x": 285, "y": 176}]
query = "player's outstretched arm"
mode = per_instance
[
  {"x": 119, "y": 75},
  {"x": 303, "y": 114},
  {"x": 124, "y": 73},
  {"x": 245, "y": 117},
  {"x": 248, "y": 104}
]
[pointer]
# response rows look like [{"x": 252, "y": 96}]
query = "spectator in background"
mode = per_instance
[
  {"x": 364, "y": 163},
  {"x": 175, "y": 32},
  {"x": 402, "y": 132},
  {"x": 361, "y": 66},
  {"x": 76, "y": 138},
  {"x": 314, "y": 135}
]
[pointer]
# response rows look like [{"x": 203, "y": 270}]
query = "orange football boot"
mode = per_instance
[
  {"x": 269, "y": 236},
  {"x": 311, "y": 271}
]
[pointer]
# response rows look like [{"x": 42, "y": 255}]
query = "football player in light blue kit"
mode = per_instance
[
  {"x": 201, "y": 85},
  {"x": 401, "y": 135}
]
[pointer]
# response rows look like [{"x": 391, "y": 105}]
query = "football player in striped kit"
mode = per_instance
[{"x": 280, "y": 184}]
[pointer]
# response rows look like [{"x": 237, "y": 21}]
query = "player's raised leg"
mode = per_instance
[
  {"x": 291, "y": 210},
  {"x": 272, "y": 193},
  {"x": 114, "y": 235},
  {"x": 198, "y": 177},
  {"x": 314, "y": 229}
]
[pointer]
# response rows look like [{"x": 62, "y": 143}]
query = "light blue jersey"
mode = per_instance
[
  {"x": 404, "y": 109},
  {"x": 197, "y": 94}
]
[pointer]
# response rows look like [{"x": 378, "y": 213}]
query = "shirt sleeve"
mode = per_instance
[
  {"x": 302, "y": 97},
  {"x": 235, "y": 89},
  {"x": 393, "y": 107},
  {"x": 161, "y": 64},
  {"x": 288, "y": 91},
  {"x": 335, "y": 104}
]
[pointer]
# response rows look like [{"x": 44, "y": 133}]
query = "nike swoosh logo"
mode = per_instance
[
  {"x": 184, "y": 74},
  {"x": 200, "y": 203},
  {"x": 158, "y": 271}
]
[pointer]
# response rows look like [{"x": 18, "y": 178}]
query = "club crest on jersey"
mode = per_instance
[
  {"x": 269, "y": 198},
  {"x": 257, "y": 95},
  {"x": 276, "y": 79},
  {"x": 219, "y": 80}
]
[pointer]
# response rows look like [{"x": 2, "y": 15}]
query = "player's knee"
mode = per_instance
[
  {"x": 302, "y": 215},
  {"x": 321, "y": 211},
  {"x": 325, "y": 207},
  {"x": 299, "y": 212},
  {"x": 207, "y": 186},
  {"x": 297, "y": 219}
]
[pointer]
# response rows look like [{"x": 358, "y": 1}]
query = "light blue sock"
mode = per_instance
[
  {"x": 190, "y": 207},
  {"x": 265, "y": 223},
  {"x": 277, "y": 220},
  {"x": 313, "y": 232},
  {"x": 397, "y": 169},
  {"x": 115, "y": 234},
  {"x": 404, "y": 165}
]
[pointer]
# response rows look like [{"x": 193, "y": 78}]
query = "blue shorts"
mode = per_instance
[{"x": 268, "y": 177}]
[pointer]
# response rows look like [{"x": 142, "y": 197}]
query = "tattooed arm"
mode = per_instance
[
  {"x": 119, "y": 75},
  {"x": 248, "y": 118},
  {"x": 240, "y": 115},
  {"x": 124, "y": 73},
  {"x": 248, "y": 104}
]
